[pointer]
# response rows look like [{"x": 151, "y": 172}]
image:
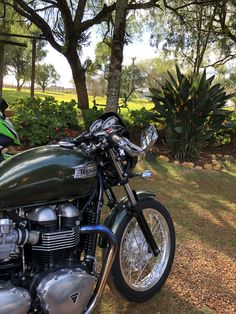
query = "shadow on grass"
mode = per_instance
[
  {"x": 202, "y": 203},
  {"x": 203, "y": 207},
  {"x": 166, "y": 301}
]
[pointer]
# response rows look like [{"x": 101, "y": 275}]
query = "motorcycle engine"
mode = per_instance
[
  {"x": 53, "y": 280},
  {"x": 59, "y": 234}
]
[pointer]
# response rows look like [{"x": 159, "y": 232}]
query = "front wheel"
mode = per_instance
[{"x": 136, "y": 273}]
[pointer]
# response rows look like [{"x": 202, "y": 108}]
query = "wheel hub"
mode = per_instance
[{"x": 137, "y": 249}]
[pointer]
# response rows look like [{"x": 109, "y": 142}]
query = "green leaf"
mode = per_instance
[
  {"x": 179, "y": 74},
  {"x": 203, "y": 82},
  {"x": 184, "y": 89},
  {"x": 173, "y": 80}
]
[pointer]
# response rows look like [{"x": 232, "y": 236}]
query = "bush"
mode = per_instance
[
  {"x": 141, "y": 118},
  {"x": 193, "y": 112},
  {"x": 40, "y": 121}
]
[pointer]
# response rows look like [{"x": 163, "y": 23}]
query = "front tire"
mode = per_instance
[{"x": 136, "y": 273}]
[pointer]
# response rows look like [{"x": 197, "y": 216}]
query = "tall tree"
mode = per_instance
[
  {"x": 19, "y": 64},
  {"x": 66, "y": 26},
  {"x": 131, "y": 80},
  {"x": 102, "y": 61},
  {"x": 187, "y": 31},
  {"x": 199, "y": 33},
  {"x": 19, "y": 60},
  {"x": 155, "y": 70},
  {"x": 117, "y": 46},
  {"x": 116, "y": 56},
  {"x": 46, "y": 74}
]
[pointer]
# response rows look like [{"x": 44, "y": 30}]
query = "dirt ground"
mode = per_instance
[
  {"x": 202, "y": 280},
  {"x": 203, "y": 277}
]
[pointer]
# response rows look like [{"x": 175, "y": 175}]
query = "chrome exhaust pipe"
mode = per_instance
[{"x": 107, "y": 267}]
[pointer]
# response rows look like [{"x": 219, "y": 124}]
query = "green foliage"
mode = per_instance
[
  {"x": 141, "y": 118},
  {"x": 228, "y": 134},
  {"x": 222, "y": 138},
  {"x": 46, "y": 74},
  {"x": 131, "y": 80},
  {"x": 155, "y": 70},
  {"x": 40, "y": 121},
  {"x": 102, "y": 56},
  {"x": 193, "y": 111}
]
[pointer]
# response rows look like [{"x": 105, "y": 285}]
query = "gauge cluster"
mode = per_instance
[
  {"x": 100, "y": 125},
  {"x": 96, "y": 126}
]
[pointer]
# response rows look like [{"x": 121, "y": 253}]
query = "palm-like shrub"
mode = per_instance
[{"x": 192, "y": 108}]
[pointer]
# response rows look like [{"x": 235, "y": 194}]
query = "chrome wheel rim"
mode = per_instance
[{"x": 140, "y": 269}]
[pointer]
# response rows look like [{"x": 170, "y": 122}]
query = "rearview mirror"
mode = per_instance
[{"x": 148, "y": 137}]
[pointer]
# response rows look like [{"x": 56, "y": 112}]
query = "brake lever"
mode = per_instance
[{"x": 132, "y": 149}]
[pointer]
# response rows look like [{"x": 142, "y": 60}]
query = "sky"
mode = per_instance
[{"x": 140, "y": 49}]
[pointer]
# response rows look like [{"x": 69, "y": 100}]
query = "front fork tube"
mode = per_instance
[
  {"x": 143, "y": 225},
  {"x": 134, "y": 206}
]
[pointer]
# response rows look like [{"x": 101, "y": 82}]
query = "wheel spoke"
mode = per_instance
[
  {"x": 140, "y": 269},
  {"x": 141, "y": 272}
]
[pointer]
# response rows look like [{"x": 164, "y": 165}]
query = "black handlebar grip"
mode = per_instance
[{"x": 114, "y": 138}]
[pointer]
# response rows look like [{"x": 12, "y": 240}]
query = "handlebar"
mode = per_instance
[
  {"x": 129, "y": 147},
  {"x": 103, "y": 138}
]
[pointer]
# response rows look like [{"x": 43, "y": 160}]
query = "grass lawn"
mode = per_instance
[
  {"x": 203, "y": 207},
  {"x": 11, "y": 95}
]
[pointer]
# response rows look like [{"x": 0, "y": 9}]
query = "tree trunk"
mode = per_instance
[
  {"x": 1, "y": 68},
  {"x": 34, "y": 42},
  {"x": 78, "y": 74},
  {"x": 116, "y": 56},
  {"x": 18, "y": 85}
]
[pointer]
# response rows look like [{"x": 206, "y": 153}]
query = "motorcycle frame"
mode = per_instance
[{"x": 132, "y": 206}]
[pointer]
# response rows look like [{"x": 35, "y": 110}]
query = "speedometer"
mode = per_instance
[
  {"x": 109, "y": 122},
  {"x": 96, "y": 126}
]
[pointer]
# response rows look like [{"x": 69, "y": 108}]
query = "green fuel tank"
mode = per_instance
[{"x": 45, "y": 174}]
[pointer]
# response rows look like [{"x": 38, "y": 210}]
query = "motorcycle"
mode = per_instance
[{"x": 51, "y": 198}]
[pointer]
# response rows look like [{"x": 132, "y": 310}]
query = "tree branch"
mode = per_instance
[
  {"x": 206, "y": 2},
  {"x": 25, "y": 10},
  {"x": 147, "y": 5},
  {"x": 49, "y": 1},
  {"x": 46, "y": 8},
  {"x": 225, "y": 30},
  {"x": 221, "y": 61},
  {"x": 208, "y": 34},
  {"x": 65, "y": 13},
  {"x": 107, "y": 10},
  {"x": 100, "y": 17},
  {"x": 175, "y": 10},
  {"x": 187, "y": 5},
  {"x": 80, "y": 11}
]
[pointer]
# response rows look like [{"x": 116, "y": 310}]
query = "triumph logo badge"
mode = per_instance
[
  {"x": 87, "y": 170},
  {"x": 75, "y": 297}
]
